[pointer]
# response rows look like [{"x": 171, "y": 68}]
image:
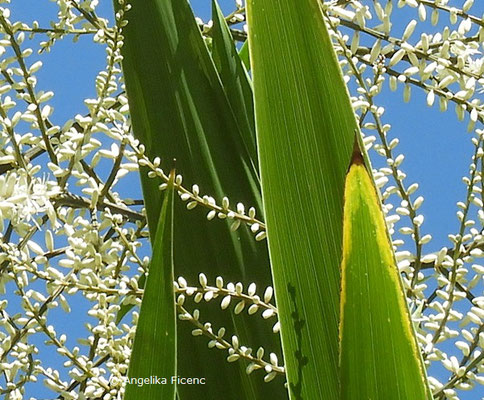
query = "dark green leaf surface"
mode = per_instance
[
  {"x": 305, "y": 128},
  {"x": 179, "y": 109},
  {"x": 379, "y": 358},
  {"x": 234, "y": 78},
  {"x": 154, "y": 348}
]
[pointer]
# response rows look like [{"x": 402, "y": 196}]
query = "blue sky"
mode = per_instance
[{"x": 437, "y": 147}]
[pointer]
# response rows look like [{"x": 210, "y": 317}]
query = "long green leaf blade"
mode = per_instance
[
  {"x": 305, "y": 126},
  {"x": 380, "y": 358},
  {"x": 154, "y": 348},
  {"x": 234, "y": 78},
  {"x": 179, "y": 109}
]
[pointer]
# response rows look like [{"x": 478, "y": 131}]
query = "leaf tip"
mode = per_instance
[{"x": 357, "y": 155}]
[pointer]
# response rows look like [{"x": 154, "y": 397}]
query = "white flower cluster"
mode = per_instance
[
  {"x": 62, "y": 247},
  {"x": 231, "y": 291},
  {"x": 193, "y": 198}
]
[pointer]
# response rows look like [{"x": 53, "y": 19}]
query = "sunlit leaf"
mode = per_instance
[
  {"x": 379, "y": 356},
  {"x": 305, "y": 126}
]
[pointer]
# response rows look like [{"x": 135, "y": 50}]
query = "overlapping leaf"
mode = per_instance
[
  {"x": 179, "y": 109},
  {"x": 184, "y": 105}
]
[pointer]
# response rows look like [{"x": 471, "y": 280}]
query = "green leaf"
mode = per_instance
[
  {"x": 244, "y": 55},
  {"x": 179, "y": 109},
  {"x": 154, "y": 348},
  {"x": 234, "y": 78},
  {"x": 305, "y": 126},
  {"x": 379, "y": 356}
]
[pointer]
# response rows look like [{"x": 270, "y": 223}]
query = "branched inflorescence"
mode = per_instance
[{"x": 230, "y": 292}]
